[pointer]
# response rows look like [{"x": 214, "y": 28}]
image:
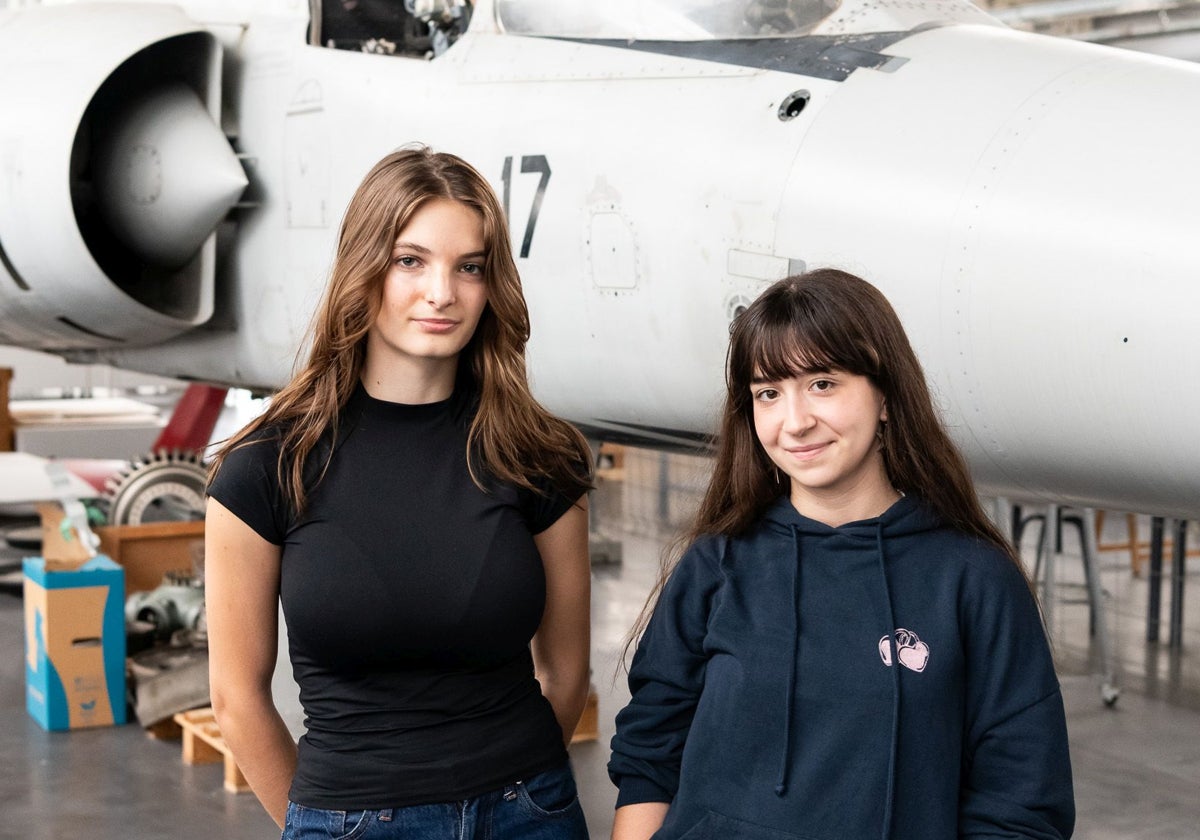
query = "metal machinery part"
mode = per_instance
[
  {"x": 178, "y": 604},
  {"x": 170, "y": 677},
  {"x": 159, "y": 487}
]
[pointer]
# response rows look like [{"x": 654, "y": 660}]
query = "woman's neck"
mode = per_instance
[
  {"x": 846, "y": 505},
  {"x": 426, "y": 381}
]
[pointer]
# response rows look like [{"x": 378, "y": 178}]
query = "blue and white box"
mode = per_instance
[{"x": 75, "y": 644}]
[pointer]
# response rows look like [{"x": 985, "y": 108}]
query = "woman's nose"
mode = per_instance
[
  {"x": 439, "y": 291},
  {"x": 797, "y": 417}
]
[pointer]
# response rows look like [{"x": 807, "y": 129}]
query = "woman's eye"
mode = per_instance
[
  {"x": 405, "y": 261},
  {"x": 472, "y": 268},
  {"x": 765, "y": 394},
  {"x": 822, "y": 385}
]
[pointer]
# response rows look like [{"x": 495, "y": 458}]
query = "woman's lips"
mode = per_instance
[
  {"x": 807, "y": 452},
  {"x": 436, "y": 325}
]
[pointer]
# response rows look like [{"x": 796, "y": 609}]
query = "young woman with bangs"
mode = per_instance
[
  {"x": 848, "y": 648},
  {"x": 422, "y": 520}
]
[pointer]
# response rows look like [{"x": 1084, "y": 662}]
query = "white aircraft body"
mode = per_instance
[{"x": 1027, "y": 203}]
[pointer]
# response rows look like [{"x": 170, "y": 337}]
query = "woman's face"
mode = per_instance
[
  {"x": 820, "y": 428},
  {"x": 434, "y": 292}
]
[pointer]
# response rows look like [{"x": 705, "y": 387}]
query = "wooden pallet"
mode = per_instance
[
  {"x": 588, "y": 728},
  {"x": 164, "y": 730},
  {"x": 203, "y": 744}
]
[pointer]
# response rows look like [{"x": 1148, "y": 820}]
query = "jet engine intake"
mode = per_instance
[{"x": 114, "y": 174}]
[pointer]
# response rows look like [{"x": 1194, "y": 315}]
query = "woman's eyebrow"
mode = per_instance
[{"x": 410, "y": 246}]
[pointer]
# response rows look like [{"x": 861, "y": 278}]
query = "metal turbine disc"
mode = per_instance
[{"x": 159, "y": 487}]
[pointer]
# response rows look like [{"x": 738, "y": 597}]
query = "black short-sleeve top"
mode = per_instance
[{"x": 410, "y": 597}]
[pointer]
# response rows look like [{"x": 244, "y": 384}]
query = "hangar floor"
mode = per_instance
[{"x": 1137, "y": 765}]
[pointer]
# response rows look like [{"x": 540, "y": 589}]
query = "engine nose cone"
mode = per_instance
[{"x": 166, "y": 176}]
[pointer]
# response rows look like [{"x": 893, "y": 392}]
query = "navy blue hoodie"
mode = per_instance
[{"x": 888, "y": 678}]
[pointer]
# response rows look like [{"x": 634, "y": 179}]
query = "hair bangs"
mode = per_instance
[{"x": 781, "y": 351}]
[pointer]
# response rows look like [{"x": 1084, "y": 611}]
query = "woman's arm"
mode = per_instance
[
  {"x": 241, "y": 593},
  {"x": 1016, "y": 765},
  {"x": 638, "y": 821},
  {"x": 562, "y": 644},
  {"x": 666, "y": 679}
]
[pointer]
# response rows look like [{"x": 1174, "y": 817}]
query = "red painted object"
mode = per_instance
[{"x": 193, "y": 420}]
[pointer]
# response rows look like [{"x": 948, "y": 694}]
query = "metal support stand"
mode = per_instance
[
  {"x": 1049, "y": 550},
  {"x": 1154, "y": 606},
  {"x": 1109, "y": 692},
  {"x": 664, "y": 488},
  {"x": 1178, "y": 578},
  {"x": 1004, "y": 516}
]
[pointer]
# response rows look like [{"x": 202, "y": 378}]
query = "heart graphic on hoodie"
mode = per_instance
[{"x": 910, "y": 650}]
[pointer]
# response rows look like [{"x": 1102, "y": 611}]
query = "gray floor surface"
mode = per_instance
[{"x": 1136, "y": 765}]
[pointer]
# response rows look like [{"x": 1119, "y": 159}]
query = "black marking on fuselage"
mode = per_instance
[
  {"x": 832, "y": 57},
  {"x": 86, "y": 331},
  {"x": 651, "y": 437},
  {"x": 12, "y": 270}
]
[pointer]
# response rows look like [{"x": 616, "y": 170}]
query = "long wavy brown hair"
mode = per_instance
[
  {"x": 511, "y": 437},
  {"x": 827, "y": 319}
]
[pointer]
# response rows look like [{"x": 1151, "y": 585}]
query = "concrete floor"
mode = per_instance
[{"x": 1136, "y": 765}]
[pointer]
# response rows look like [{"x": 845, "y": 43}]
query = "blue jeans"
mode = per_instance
[{"x": 544, "y": 807}]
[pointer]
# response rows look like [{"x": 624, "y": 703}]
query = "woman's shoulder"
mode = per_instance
[
  {"x": 983, "y": 570},
  {"x": 702, "y": 558},
  {"x": 252, "y": 459},
  {"x": 939, "y": 548},
  {"x": 707, "y": 548},
  {"x": 697, "y": 577},
  {"x": 258, "y": 446},
  {"x": 981, "y": 557}
]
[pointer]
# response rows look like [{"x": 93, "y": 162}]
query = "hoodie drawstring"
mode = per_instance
[
  {"x": 895, "y": 669},
  {"x": 790, "y": 700}
]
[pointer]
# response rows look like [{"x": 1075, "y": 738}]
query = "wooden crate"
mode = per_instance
[
  {"x": 203, "y": 744},
  {"x": 147, "y": 552}
]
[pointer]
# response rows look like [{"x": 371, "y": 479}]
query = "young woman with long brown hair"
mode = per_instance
[
  {"x": 422, "y": 520},
  {"x": 848, "y": 648}
]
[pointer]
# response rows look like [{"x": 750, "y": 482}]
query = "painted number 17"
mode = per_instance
[{"x": 529, "y": 163}]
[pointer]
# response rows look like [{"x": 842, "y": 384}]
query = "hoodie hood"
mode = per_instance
[{"x": 906, "y": 518}]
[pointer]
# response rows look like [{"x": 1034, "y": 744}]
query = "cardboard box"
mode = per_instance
[
  {"x": 75, "y": 644},
  {"x": 63, "y": 550}
]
